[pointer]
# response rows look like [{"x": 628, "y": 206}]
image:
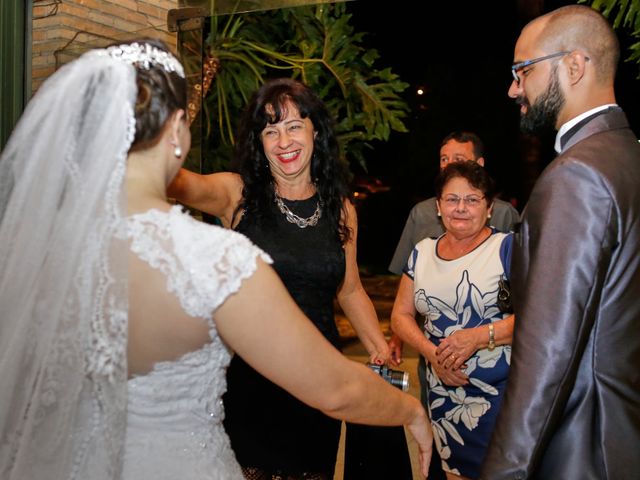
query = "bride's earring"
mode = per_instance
[{"x": 177, "y": 151}]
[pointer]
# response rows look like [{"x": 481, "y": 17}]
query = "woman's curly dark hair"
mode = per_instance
[{"x": 328, "y": 173}]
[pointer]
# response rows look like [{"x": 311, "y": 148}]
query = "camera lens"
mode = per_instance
[{"x": 397, "y": 378}]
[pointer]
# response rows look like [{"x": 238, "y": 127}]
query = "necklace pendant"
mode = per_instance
[{"x": 300, "y": 222}]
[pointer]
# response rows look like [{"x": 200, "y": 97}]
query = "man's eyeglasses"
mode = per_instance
[
  {"x": 470, "y": 201},
  {"x": 520, "y": 65}
]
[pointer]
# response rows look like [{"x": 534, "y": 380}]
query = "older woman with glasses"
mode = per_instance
[{"x": 454, "y": 281}]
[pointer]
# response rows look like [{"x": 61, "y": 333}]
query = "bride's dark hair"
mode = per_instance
[
  {"x": 160, "y": 94},
  {"x": 328, "y": 172}
]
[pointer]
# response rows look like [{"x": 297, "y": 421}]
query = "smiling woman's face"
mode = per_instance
[
  {"x": 288, "y": 144},
  {"x": 463, "y": 208}
]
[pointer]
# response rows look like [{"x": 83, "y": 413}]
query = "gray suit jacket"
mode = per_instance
[{"x": 572, "y": 404}]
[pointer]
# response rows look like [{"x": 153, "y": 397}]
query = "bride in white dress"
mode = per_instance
[{"x": 120, "y": 311}]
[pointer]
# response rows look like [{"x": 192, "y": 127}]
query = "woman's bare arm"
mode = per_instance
[
  {"x": 217, "y": 194},
  {"x": 291, "y": 352},
  {"x": 355, "y": 301}
]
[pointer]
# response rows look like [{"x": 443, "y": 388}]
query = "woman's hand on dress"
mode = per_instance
[
  {"x": 456, "y": 349},
  {"x": 449, "y": 376}
]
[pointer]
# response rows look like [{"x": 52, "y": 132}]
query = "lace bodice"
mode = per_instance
[{"x": 174, "y": 427}]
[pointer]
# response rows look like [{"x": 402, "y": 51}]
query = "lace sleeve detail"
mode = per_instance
[{"x": 204, "y": 264}]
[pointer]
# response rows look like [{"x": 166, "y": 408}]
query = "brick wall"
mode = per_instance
[{"x": 63, "y": 29}]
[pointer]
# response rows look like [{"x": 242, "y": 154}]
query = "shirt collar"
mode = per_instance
[{"x": 565, "y": 127}]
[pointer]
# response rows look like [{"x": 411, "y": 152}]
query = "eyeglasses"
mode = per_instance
[
  {"x": 520, "y": 65},
  {"x": 470, "y": 201}
]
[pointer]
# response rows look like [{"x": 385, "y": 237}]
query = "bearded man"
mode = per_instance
[{"x": 572, "y": 404}]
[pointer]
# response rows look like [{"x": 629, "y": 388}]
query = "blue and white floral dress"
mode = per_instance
[{"x": 451, "y": 295}]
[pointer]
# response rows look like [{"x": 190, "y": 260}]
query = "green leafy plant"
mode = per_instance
[
  {"x": 624, "y": 14},
  {"x": 316, "y": 45}
]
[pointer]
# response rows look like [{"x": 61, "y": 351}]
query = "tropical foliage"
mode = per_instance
[
  {"x": 316, "y": 45},
  {"x": 623, "y": 14}
]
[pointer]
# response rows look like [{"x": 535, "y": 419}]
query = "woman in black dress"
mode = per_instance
[{"x": 292, "y": 199}]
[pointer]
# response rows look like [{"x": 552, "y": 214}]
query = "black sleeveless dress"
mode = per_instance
[{"x": 269, "y": 428}]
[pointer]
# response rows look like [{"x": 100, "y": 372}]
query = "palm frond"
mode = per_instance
[
  {"x": 626, "y": 14},
  {"x": 317, "y": 45}
]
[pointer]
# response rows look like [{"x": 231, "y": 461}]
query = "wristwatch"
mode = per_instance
[{"x": 492, "y": 338}]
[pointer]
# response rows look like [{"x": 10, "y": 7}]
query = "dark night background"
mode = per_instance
[{"x": 460, "y": 53}]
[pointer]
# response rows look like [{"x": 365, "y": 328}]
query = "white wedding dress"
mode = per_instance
[
  {"x": 67, "y": 409},
  {"x": 175, "y": 412}
]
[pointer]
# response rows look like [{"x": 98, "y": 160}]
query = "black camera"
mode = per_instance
[{"x": 397, "y": 378}]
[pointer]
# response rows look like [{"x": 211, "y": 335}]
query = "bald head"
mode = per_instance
[{"x": 577, "y": 27}]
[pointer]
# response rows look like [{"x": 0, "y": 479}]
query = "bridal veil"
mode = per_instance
[{"x": 63, "y": 295}]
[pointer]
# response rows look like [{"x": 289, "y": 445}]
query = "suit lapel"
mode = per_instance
[{"x": 609, "y": 119}]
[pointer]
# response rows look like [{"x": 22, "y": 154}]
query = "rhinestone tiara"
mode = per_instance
[{"x": 144, "y": 55}]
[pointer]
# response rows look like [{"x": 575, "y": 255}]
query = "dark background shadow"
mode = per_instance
[{"x": 460, "y": 54}]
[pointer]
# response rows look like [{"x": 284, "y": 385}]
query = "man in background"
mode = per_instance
[{"x": 423, "y": 221}]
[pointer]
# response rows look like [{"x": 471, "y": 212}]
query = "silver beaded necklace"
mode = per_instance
[{"x": 295, "y": 219}]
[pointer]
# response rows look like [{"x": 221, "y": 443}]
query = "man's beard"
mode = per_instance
[{"x": 542, "y": 116}]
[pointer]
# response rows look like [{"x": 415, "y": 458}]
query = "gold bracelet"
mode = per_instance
[{"x": 492, "y": 338}]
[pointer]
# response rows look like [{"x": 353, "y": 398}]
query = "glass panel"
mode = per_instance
[{"x": 12, "y": 69}]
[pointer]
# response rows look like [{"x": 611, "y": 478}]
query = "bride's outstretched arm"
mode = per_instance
[{"x": 264, "y": 326}]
